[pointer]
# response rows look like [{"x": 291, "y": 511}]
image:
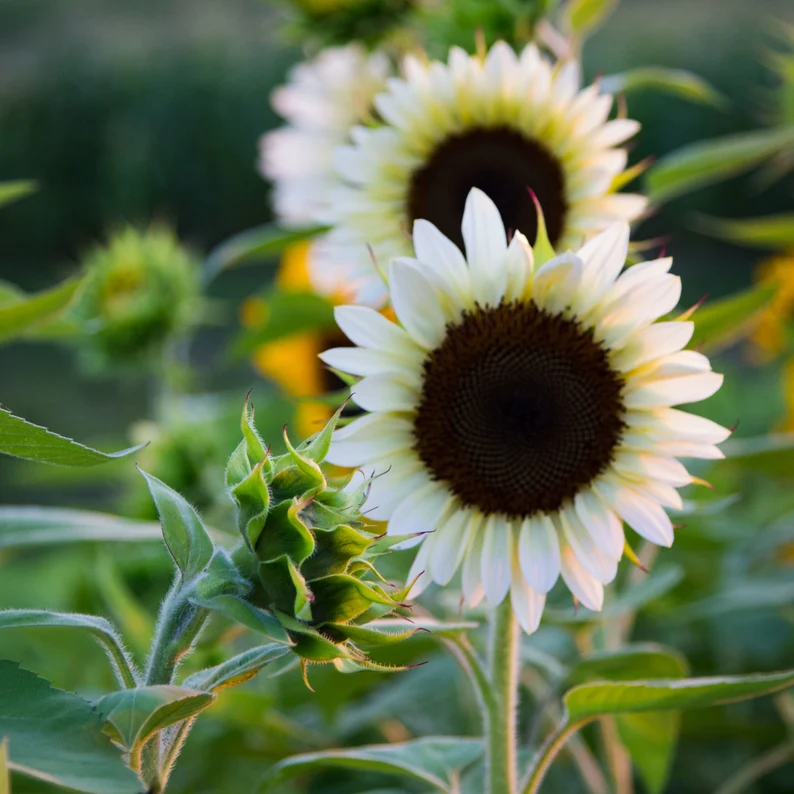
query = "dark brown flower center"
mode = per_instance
[
  {"x": 519, "y": 410},
  {"x": 503, "y": 164}
]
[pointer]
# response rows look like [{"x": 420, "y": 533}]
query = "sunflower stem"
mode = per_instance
[{"x": 502, "y": 710}]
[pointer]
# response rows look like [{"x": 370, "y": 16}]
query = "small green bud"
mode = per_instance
[
  {"x": 304, "y": 529},
  {"x": 142, "y": 289}
]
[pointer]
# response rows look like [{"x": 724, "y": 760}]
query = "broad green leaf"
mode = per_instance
[
  {"x": 646, "y": 660},
  {"x": 674, "y": 81},
  {"x": 258, "y": 243},
  {"x": 432, "y": 760},
  {"x": 24, "y": 526},
  {"x": 287, "y": 313},
  {"x": 10, "y": 293},
  {"x": 724, "y": 321},
  {"x": 57, "y": 737},
  {"x": 5, "y": 779},
  {"x": 102, "y": 630},
  {"x": 705, "y": 162},
  {"x": 183, "y": 531},
  {"x": 771, "y": 231},
  {"x": 584, "y": 16},
  {"x": 650, "y": 737},
  {"x": 772, "y": 455},
  {"x": 135, "y": 715},
  {"x": 22, "y": 439},
  {"x": 237, "y": 670},
  {"x": 12, "y": 191},
  {"x": 27, "y": 314},
  {"x": 588, "y": 701}
]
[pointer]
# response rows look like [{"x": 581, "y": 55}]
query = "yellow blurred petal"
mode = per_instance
[
  {"x": 292, "y": 363},
  {"x": 253, "y": 313},
  {"x": 311, "y": 417},
  {"x": 293, "y": 275},
  {"x": 770, "y": 332}
]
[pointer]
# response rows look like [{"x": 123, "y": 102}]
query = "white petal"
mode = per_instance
[
  {"x": 614, "y": 132},
  {"x": 597, "y": 563},
  {"x": 496, "y": 559},
  {"x": 370, "y": 438},
  {"x": 604, "y": 526},
  {"x": 391, "y": 483},
  {"x": 361, "y": 361},
  {"x": 519, "y": 262},
  {"x": 556, "y": 282},
  {"x": 416, "y": 304},
  {"x": 386, "y": 392},
  {"x": 486, "y": 244},
  {"x": 691, "y": 449},
  {"x": 582, "y": 584},
  {"x": 603, "y": 258},
  {"x": 435, "y": 250},
  {"x": 646, "y": 465},
  {"x": 672, "y": 424},
  {"x": 527, "y": 603},
  {"x": 643, "y": 515},
  {"x": 420, "y": 511},
  {"x": 367, "y": 328},
  {"x": 450, "y": 544},
  {"x": 418, "y": 567},
  {"x": 539, "y": 552},
  {"x": 471, "y": 579},
  {"x": 647, "y": 344},
  {"x": 674, "y": 391}
]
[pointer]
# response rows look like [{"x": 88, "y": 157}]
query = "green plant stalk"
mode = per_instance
[
  {"x": 502, "y": 712},
  {"x": 547, "y": 754},
  {"x": 178, "y": 627}
]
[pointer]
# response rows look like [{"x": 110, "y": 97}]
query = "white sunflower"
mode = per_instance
[
  {"x": 521, "y": 411},
  {"x": 324, "y": 98},
  {"x": 510, "y": 124}
]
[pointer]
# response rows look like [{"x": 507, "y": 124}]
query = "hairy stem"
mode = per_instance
[
  {"x": 547, "y": 754},
  {"x": 502, "y": 711}
]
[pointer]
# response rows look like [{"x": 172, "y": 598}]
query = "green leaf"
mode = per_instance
[
  {"x": 238, "y": 669},
  {"x": 57, "y": 737},
  {"x": 183, "y": 531},
  {"x": 5, "y": 779},
  {"x": 22, "y": 439},
  {"x": 771, "y": 231},
  {"x": 649, "y": 737},
  {"x": 288, "y": 313},
  {"x": 258, "y": 243},
  {"x": 646, "y": 660},
  {"x": 22, "y": 527},
  {"x": 29, "y": 313},
  {"x": 698, "y": 164},
  {"x": 724, "y": 321},
  {"x": 135, "y": 715},
  {"x": 674, "y": 81},
  {"x": 102, "y": 630},
  {"x": 584, "y": 16},
  {"x": 433, "y": 760},
  {"x": 588, "y": 701},
  {"x": 12, "y": 191}
]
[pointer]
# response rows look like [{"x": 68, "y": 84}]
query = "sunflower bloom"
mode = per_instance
[
  {"x": 510, "y": 124},
  {"x": 521, "y": 412}
]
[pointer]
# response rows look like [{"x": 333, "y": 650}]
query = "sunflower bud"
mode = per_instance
[
  {"x": 307, "y": 550},
  {"x": 141, "y": 290}
]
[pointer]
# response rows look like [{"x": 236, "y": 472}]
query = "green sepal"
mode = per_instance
[
  {"x": 542, "y": 249},
  {"x": 285, "y": 533},
  {"x": 316, "y": 448},
  {"x": 334, "y": 550},
  {"x": 252, "y": 498},
  {"x": 357, "y": 665},
  {"x": 286, "y": 587},
  {"x": 373, "y": 637},
  {"x": 255, "y": 447},
  {"x": 309, "y": 643},
  {"x": 340, "y": 598},
  {"x": 238, "y": 467},
  {"x": 295, "y": 473},
  {"x": 321, "y": 515}
]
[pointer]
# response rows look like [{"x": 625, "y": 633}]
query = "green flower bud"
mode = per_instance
[
  {"x": 141, "y": 290},
  {"x": 307, "y": 549}
]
